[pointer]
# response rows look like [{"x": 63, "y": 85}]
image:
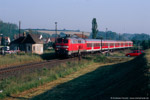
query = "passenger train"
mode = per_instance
[{"x": 74, "y": 46}]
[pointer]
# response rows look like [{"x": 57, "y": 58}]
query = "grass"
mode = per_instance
[
  {"x": 120, "y": 53},
  {"x": 21, "y": 83},
  {"x": 126, "y": 79},
  {"x": 14, "y": 59},
  {"x": 23, "y": 58}
]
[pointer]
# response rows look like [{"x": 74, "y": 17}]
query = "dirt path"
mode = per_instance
[{"x": 36, "y": 91}]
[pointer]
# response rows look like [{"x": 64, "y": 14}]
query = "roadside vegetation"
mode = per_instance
[{"x": 120, "y": 53}]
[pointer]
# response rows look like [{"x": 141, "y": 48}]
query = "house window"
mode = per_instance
[{"x": 33, "y": 48}]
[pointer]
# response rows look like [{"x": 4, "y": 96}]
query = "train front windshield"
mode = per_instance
[{"x": 60, "y": 40}]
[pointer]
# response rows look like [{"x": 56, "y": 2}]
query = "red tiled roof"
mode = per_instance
[
  {"x": 81, "y": 36},
  {"x": 52, "y": 39}
]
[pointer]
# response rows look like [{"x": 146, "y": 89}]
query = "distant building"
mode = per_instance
[
  {"x": 18, "y": 44},
  {"x": 46, "y": 40},
  {"x": 7, "y": 40},
  {"x": 30, "y": 44},
  {"x": 80, "y": 36}
]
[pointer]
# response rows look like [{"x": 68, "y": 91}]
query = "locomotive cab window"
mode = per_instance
[
  {"x": 79, "y": 41},
  {"x": 59, "y": 40},
  {"x": 65, "y": 41}
]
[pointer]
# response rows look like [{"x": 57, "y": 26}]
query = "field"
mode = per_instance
[{"x": 66, "y": 32}]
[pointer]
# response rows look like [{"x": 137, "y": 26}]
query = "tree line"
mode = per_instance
[{"x": 8, "y": 29}]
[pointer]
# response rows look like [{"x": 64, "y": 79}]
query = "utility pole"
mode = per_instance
[
  {"x": 82, "y": 34},
  {"x": 101, "y": 43},
  {"x": 106, "y": 33},
  {"x": 56, "y": 31},
  {"x": 19, "y": 27}
]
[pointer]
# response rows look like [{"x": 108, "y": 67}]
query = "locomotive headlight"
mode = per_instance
[{"x": 57, "y": 48}]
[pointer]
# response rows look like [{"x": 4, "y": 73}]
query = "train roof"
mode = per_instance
[{"x": 96, "y": 40}]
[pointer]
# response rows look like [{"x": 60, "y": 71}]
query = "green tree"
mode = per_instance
[
  {"x": 94, "y": 28},
  {"x": 3, "y": 41},
  {"x": 145, "y": 44}
]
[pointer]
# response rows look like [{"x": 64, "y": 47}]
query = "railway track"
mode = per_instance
[{"x": 31, "y": 67}]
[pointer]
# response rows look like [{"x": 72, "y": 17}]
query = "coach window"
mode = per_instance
[
  {"x": 88, "y": 45},
  {"x": 102, "y": 44},
  {"x": 97, "y": 45},
  {"x": 94, "y": 44},
  {"x": 82, "y": 41},
  {"x": 117, "y": 44},
  {"x": 106, "y": 44}
]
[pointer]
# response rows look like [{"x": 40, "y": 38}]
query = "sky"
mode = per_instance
[{"x": 121, "y": 16}]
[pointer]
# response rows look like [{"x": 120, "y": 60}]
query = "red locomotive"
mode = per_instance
[{"x": 73, "y": 46}]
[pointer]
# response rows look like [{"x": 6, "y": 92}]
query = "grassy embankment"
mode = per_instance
[
  {"x": 23, "y": 58},
  {"x": 128, "y": 80},
  {"x": 20, "y": 83}
]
